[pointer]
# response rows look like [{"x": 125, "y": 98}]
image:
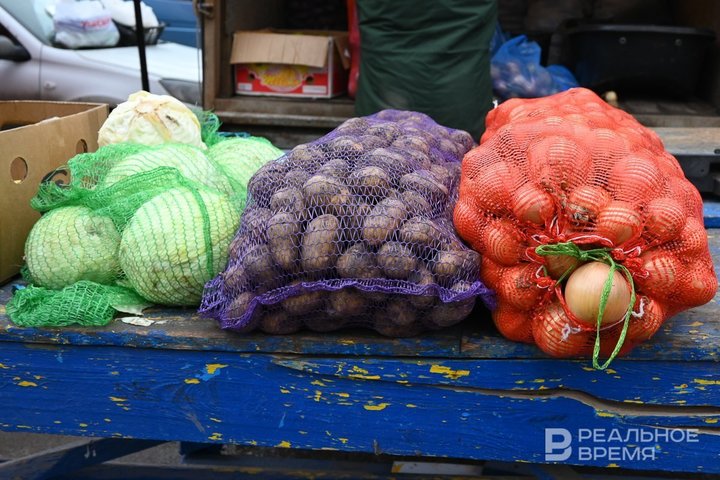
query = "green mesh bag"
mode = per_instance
[{"x": 134, "y": 225}]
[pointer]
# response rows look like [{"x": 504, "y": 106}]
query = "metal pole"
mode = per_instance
[{"x": 140, "y": 34}]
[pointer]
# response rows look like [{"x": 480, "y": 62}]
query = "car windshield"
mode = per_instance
[{"x": 33, "y": 15}]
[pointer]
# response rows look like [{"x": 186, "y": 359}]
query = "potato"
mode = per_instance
[
  {"x": 446, "y": 314},
  {"x": 416, "y": 203},
  {"x": 387, "y": 131},
  {"x": 320, "y": 245},
  {"x": 372, "y": 182},
  {"x": 383, "y": 220},
  {"x": 283, "y": 234},
  {"x": 358, "y": 262},
  {"x": 323, "y": 323},
  {"x": 353, "y": 125},
  {"x": 278, "y": 322},
  {"x": 320, "y": 190},
  {"x": 464, "y": 139},
  {"x": 345, "y": 146},
  {"x": 399, "y": 319},
  {"x": 400, "y": 312},
  {"x": 417, "y": 159},
  {"x": 304, "y": 302},
  {"x": 267, "y": 179},
  {"x": 238, "y": 307},
  {"x": 424, "y": 183},
  {"x": 421, "y": 233},
  {"x": 422, "y": 277},
  {"x": 337, "y": 168},
  {"x": 396, "y": 260},
  {"x": 306, "y": 157},
  {"x": 235, "y": 277},
  {"x": 347, "y": 302},
  {"x": 454, "y": 263},
  {"x": 290, "y": 200},
  {"x": 390, "y": 160},
  {"x": 353, "y": 221},
  {"x": 253, "y": 226},
  {"x": 370, "y": 142},
  {"x": 412, "y": 141},
  {"x": 378, "y": 299},
  {"x": 450, "y": 150},
  {"x": 444, "y": 175},
  {"x": 260, "y": 266},
  {"x": 296, "y": 178}
]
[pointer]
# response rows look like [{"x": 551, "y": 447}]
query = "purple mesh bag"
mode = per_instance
[{"x": 353, "y": 229}]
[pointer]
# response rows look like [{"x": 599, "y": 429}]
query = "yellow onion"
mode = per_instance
[{"x": 584, "y": 288}]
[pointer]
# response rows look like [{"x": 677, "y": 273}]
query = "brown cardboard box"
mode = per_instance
[
  {"x": 290, "y": 64},
  {"x": 35, "y": 139}
]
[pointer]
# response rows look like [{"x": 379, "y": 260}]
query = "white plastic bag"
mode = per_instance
[
  {"x": 85, "y": 23},
  {"x": 123, "y": 12}
]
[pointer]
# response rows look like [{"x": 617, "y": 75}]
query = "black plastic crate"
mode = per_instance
[{"x": 637, "y": 58}]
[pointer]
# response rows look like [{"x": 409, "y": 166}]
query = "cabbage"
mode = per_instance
[
  {"x": 163, "y": 251},
  {"x": 69, "y": 244},
  {"x": 189, "y": 161},
  {"x": 151, "y": 119},
  {"x": 240, "y": 158}
]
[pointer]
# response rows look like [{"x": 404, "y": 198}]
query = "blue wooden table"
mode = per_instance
[{"x": 465, "y": 393}]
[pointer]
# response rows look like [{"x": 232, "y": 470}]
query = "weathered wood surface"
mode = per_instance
[{"x": 442, "y": 408}]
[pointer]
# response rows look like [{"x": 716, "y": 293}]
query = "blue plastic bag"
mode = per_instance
[{"x": 516, "y": 71}]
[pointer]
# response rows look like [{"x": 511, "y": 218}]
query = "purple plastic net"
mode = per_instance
[{"x": 353, "y": 229}]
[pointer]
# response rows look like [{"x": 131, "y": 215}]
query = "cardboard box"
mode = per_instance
[
  {"x": 35, "y": 139},
  {"x": 290, "y": 64}
]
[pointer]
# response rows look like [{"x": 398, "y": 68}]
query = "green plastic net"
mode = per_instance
[{"x": 133, "y": 225}]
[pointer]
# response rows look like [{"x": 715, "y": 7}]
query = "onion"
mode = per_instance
[
  {"x": 664, "y": 219},
  {"x": 502, "y": 242},
  {"x": 663, "y": 270},
  {"x": 517, "y": 287},
  {"x": 513, "y": 324},
  {"x": 701, "y": 288},
  {"x": 635, "y": 177},
  {"x": 531, "y": 204},
  {"x": 557, "y": 265},
  {"x": 619, "y": 222},
  {"x": 585, "y": 203},
  {"x": 555, "y": 335},
  {"x": 691, "y": 241},
  {"x": 584, "y": 288},
  {"x": 491, "y": 185},
  {"x": 642, "y": 328},
  {"x": 491, "y": 273},
  {"x": 468, "y": 222},
  {"x": 558, "y": 162}
]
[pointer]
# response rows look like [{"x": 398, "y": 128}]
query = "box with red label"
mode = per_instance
[{"x": 296, "y": 64}]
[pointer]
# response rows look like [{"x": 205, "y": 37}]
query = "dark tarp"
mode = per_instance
[{"x": 431, "y": 56}]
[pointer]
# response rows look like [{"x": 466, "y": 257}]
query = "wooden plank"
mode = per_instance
[
  {"x": 258, "y": 400},
  {"x": 73, "y": 456}
]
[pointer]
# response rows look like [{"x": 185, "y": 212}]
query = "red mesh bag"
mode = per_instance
[{"x": 590, "y": 233}]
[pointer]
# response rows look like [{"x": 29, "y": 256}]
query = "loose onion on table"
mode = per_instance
[{"x": 584, "y": 288}]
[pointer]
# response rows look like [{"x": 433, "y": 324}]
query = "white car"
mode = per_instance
[{"x": 33, "y": 68}]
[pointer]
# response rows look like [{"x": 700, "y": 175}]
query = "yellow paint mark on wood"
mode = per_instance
[
  {"x": 284, "y": 444},
  {"x": 448, "y": 372},
  {"x": 284, "y": 390},
  {"x": 519, "y": 382},
  {"x": 252, "y": 442},
  {"x": 376, "y": 408},
  {"x": 216, "y": 436},
  {"x": 83, "y": 425},
  {"x": 38, "y": 377},
  {"x": 118, "y": 399},
  {"x": 57, "y": 422},
  {"x": 107, "y": 420},
  {"x": 23, "y": 426},
  {"x": 216, "y": 420},
  {"x": 25, "y": 383},
  {"x": 681, "y": 386},
  {"x": 114, "y": 372},
  {"x": 605, "y": 414},
  {"x": 702, "y": 381},
  {"x": 359, "y": 370},
  {"x": 680, "y": 402},
  {"x": 342, "y": 394},
  {"x": 211, "y": 368},
  {"x": 411, "y": 405},
  {"x": 343, "y": 440},
  {"x": 696, "y": 324},
  {"x": 639, "y": 402},
  {"x": 4, "y": 367},
  {"x": 588, "y": 369},
  {"x": 317, "y": 396},
  {"x": 318, "y": 383},
  {"x": 610, "y": 371},
  {"x": 403, "y": 382},
  {"x": 539, "y": 380},
  {"x": 364, "y": 377},
  {"x": 613, "y": 465},
  {"x": 329, "y": 448},
  {"x": 347, "y": 342},
  {"x": 711, "y": 420},
  {"x": 301, "y": 432},
  {"x": 656, "y": 378},
  {"x": 192, "y": 381}
]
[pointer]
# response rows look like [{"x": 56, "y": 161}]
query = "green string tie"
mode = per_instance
[{"x": 596, "y": 255}]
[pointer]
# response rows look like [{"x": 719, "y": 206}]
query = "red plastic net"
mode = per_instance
[{"x": 567, "y": 180}]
